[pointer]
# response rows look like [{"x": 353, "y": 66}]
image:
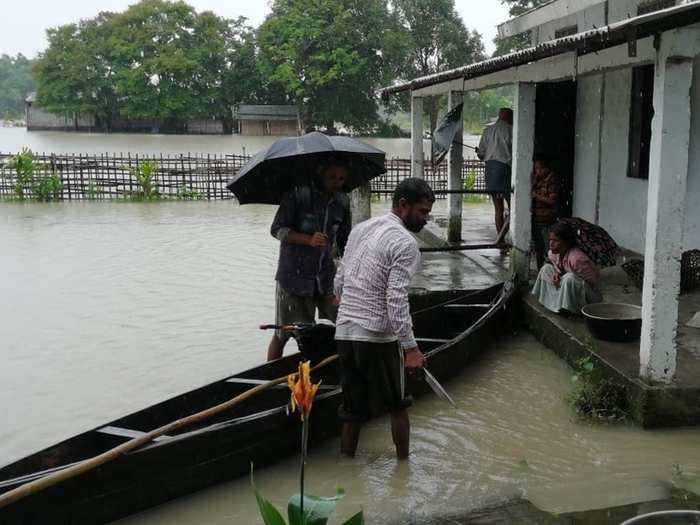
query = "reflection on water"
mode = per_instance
[{"x": 512, "y": 435}]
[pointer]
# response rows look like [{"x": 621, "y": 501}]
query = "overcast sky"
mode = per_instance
[{"x": 26, "y": 20}]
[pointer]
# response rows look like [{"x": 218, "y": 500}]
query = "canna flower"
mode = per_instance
[{"x": 303, "y": 390}]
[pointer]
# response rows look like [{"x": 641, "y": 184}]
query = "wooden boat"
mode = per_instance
[{"x": 451, "y": 327}]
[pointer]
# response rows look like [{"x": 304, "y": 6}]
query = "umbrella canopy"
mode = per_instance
[
  {"x": 441, "y": 139},
  {"x": 594, "y": 241},
  {"x": 291, "y": 162}
]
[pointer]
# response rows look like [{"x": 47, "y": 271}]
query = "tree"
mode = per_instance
[
  {"x": 330, "y": 57},
  {"x": 15, "y": 83},
  {"x": 156, "y": 73},
  {"x": 436, "y": 41},
  {"x": 158, "y": 60},
  {"x": 518, "y": 7},
  {"x": 72, "y": 74}
]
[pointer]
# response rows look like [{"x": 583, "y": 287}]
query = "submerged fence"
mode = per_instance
[{"x": 114, "y": 176}]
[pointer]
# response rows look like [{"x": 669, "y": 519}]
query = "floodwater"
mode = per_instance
[
  {"x": 14, "y": 139},
  {"x": 107, "y": 307},
  {"x": 512, "y": 435}
]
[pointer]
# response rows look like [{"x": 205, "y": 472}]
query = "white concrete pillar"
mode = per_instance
[
  {"x": 523, "y": 148},
  {"x": 361, "y": 204},
  {"x": 668, "y": 173},
  {"x": 454, "y": 174},
  {"x": 417, "y": 137}
]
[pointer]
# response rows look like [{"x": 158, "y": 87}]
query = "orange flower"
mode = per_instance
[{"x": 303, "y": 390}]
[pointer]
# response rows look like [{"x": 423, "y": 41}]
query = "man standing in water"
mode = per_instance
[
  {"x": 495, "y": 148},
  {"x": 309, "y": 221},
  {"x": 374, "y": 331}
]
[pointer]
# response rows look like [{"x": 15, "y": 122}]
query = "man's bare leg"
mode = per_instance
[
  {"x": 349, "y": 437},
  {"x": 499, "y": 209},
  {"x": 400, "y": 432},
  {"x": 274, "y": 350}
]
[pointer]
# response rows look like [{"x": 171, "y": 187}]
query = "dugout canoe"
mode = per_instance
[{"x": 451, "y": 327}]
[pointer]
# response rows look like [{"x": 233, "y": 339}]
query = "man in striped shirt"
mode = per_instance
[{"x": 374, "y": 329}]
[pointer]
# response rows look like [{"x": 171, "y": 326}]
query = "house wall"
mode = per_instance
[
  {"x": 283, "y": 128},
  {"x": 623, "y": 200},
  {"x": 587, "y": 146},
  {"x": 38, "y": 119}
]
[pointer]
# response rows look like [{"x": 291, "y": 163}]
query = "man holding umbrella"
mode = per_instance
[{"x": 310, "y": 220}]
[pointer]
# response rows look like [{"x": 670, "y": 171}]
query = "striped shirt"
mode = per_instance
[{"x": 372, "y": 282}]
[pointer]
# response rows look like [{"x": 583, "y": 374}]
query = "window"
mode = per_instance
[
  {"x": 654, "y": 5},
  {"x": 566, "y": 31},
  {"x": 641, "y": 113}
]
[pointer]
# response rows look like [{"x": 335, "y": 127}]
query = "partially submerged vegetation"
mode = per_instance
[
  {"x": 41, "y": 181},
  {"x": 594, "y": 396}
]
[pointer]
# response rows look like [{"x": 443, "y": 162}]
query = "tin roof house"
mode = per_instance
[{"x": 611, "y": 90}]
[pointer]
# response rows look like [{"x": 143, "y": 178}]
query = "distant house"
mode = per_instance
[
  {"x": 268, "y": 120},
  {"x": 38, "y": 119}
]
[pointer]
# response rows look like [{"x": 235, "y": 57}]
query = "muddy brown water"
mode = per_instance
[{"x": 109, "y": 307}]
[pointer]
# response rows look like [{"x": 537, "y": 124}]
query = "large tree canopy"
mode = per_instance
[
  {"x": 330, "y": 57},
  {"x": 157, "y": 60},
  {"x": 436, "y": 40},
  {"x": 15, "y": 83}
]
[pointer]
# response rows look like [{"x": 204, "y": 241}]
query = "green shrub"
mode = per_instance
[
  {"x": 144, "y": 174},
  {"x": 47, "y": 188},
  {"x": 596, "y": 397}
]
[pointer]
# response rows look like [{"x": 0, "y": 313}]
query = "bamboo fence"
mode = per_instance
[{"x": 191, "y": 176}]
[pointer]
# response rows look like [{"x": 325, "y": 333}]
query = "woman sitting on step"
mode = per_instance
[{"x": 569, "y": 280}]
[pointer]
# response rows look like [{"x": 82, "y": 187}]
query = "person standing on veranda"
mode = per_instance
[
  {"x": 495, "y": 149},
  {"x": 374, "y": 332}
]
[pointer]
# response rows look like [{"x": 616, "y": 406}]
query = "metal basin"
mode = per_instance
[{"x": 613, "y": 321}]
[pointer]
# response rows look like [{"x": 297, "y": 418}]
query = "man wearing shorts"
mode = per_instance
[
  {"x": 374, "y": 332},
  {"x": 310, "y": 219},
  {"x": 495, "y": 148}
]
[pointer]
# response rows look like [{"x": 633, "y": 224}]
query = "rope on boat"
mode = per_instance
[{"x": 54, "y": 478}]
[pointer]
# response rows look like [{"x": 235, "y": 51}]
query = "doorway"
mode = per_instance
[{"x": 555, "y": 130}]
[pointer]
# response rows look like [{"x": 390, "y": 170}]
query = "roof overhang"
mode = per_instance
[{"x": 567, "y": 52}]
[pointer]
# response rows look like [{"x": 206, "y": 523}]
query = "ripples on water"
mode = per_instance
[
  {"x": 108, "y": 307},
  {"x": 512, "y": 435}
]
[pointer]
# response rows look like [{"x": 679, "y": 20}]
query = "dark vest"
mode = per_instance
[{"x": 306, "y": 270}]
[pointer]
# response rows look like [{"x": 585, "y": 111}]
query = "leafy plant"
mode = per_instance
[
  {"x": 47, "y": 188},
  {"x": 144, "y": 174},
  {"x": 302, "y": 509},
  {"x": 317, "y": 512},
  {"x": 594, "y": 396},
  {"x": 188, "y": 194},
  {"x": 469, "y": 182},
  {"x": 23, "y": 164}
]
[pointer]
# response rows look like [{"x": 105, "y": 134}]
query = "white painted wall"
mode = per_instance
[
  {"x": 587, "y": 144},
  {"x": 623, "y": 200}
]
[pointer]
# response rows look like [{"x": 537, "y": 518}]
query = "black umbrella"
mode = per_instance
[
  {"x": 441, "y": 139},
  {"x": 291, "y": 162}
]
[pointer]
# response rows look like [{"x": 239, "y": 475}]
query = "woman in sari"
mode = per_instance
[{"x": 569, "y": 280}]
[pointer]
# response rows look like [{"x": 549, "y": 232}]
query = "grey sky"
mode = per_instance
[{"x": 29, "y": 18}]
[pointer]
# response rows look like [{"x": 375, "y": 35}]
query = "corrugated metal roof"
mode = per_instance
[{"x": 583, "y": 43}]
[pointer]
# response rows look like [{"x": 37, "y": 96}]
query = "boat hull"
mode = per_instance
[{"x": 260, "y": 433}]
